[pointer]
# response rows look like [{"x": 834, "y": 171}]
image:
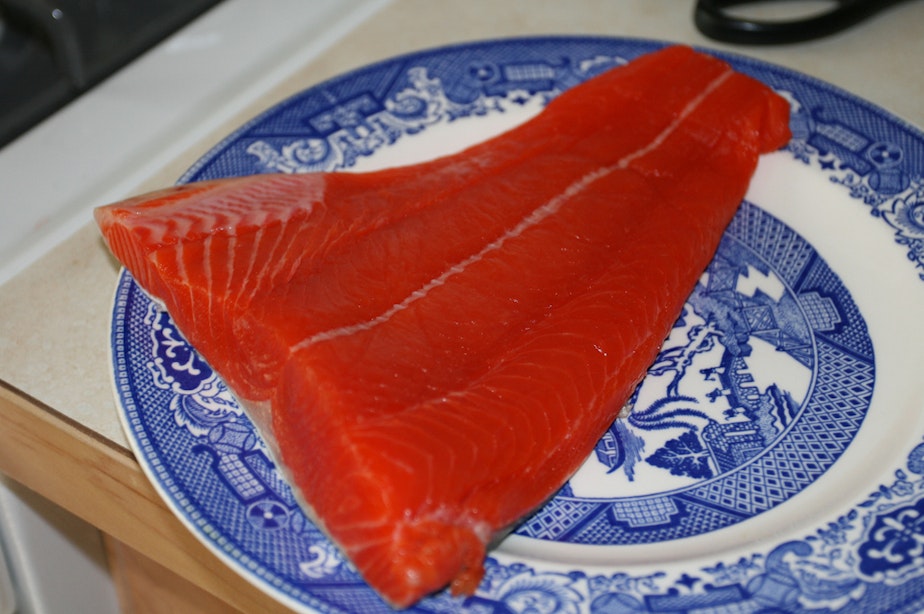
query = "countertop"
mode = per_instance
[{"x": 59, "y": 430}]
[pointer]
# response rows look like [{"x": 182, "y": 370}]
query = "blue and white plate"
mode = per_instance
[{"x": 774, "y": 457}]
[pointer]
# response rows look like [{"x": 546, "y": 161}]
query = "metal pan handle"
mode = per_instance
[{"x": 55, "y": 24}]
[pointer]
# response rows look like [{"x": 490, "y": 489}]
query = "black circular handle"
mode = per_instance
[{"x": 714, "y": 20}]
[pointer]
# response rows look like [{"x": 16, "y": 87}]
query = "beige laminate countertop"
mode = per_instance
[{"x": 54, "y": 316}]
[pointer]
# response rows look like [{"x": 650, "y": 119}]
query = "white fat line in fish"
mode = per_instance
[{"x": 539, "y": 214}]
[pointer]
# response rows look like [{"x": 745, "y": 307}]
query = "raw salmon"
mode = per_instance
[{"x": 433, "y": 350}]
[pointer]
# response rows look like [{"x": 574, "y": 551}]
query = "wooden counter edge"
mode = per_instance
[{"x": 103, "y": 484}]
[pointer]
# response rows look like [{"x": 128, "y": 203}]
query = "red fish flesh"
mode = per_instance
[{"x": 433, "y": 350}]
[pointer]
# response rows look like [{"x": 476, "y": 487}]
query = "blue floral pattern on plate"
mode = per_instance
[
  {"x": 762, "y": 387},
  {"x": 738, "y": 446}
]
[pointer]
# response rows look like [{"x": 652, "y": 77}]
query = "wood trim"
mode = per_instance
[
  {"x": 104, "y": 485},
  {"x": 145, "y": 587}
]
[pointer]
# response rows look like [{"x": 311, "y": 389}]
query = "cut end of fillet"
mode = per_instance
[
  {"x": 404, "y": 540},
  {"x": 419, "y": 559}
]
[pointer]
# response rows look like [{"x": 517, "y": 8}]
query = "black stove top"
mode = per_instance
[{"x": 52, "y": 51}]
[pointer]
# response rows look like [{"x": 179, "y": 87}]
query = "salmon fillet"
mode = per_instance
[{"x": 432, "y": 350}]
